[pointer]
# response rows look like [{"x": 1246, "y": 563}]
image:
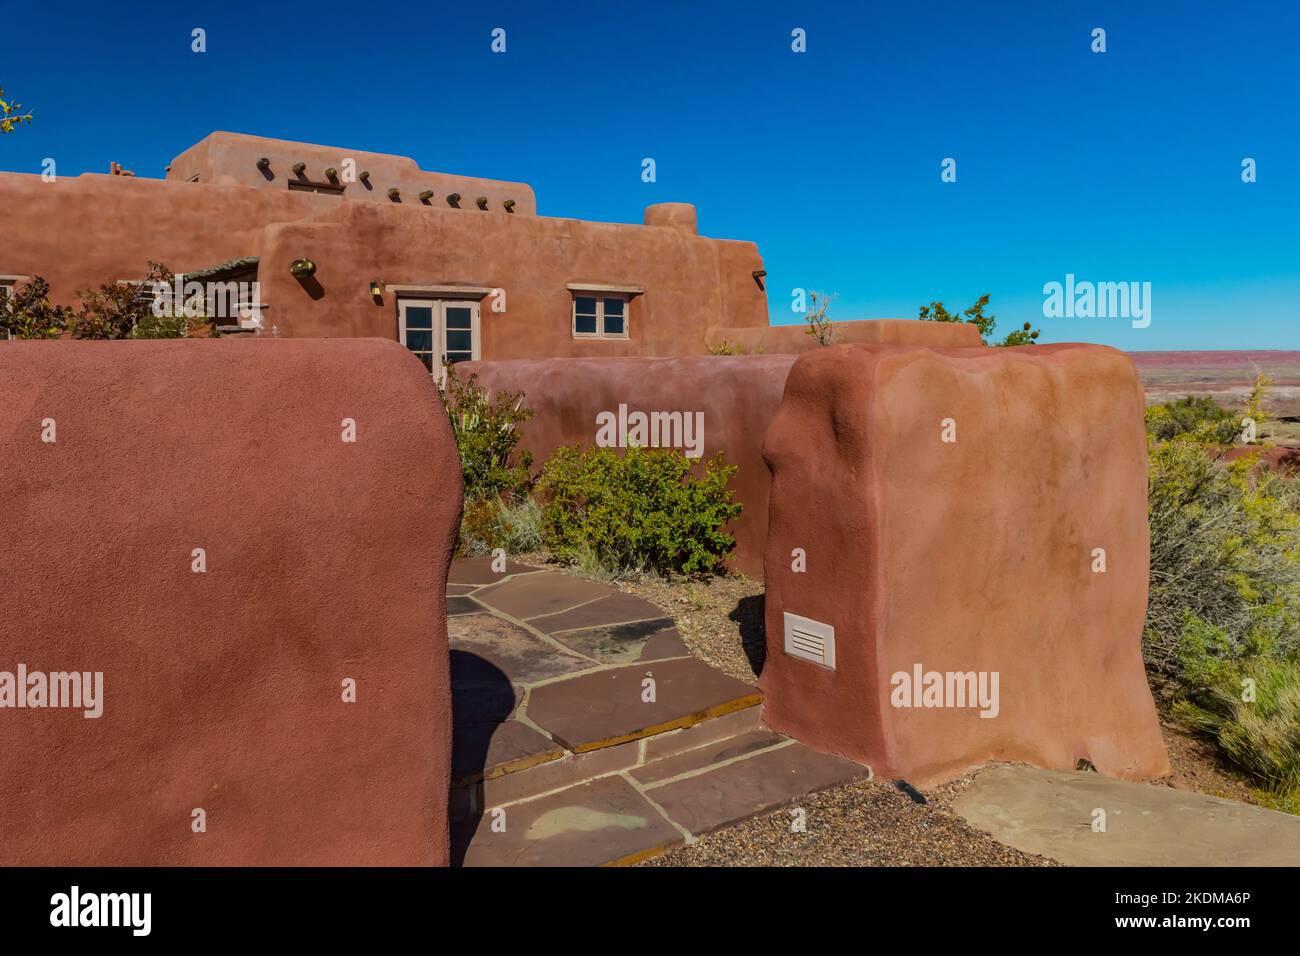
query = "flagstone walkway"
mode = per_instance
[
  {"x": 1085, "y": 819},
  {"x": 585, "y": 733}
]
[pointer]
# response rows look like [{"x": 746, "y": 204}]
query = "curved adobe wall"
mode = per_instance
[
  {"x": 974, "y": 556},
  {"x": 738, "y": 396},
  {"x": 223, "y": 690}
]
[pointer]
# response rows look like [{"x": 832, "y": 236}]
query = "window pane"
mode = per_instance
[
  {"x": 584, "y": 324},
  {"x": 459, "y": 318},
  {"x": 419, "y": 340},
  {"x": 613, "y": 324},
  {"x": 584, "y": 305},
  {"x": 458, "y": 340},
  {"x": 614, "y": 307},
  {"x": 419, "y": 317}
]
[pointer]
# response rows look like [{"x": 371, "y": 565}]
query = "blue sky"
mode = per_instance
[{"x": 1116, "y": 167}]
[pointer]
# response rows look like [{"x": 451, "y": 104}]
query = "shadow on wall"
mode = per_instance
[
  {"x": 482, "y": 698},
  {"x": 749, "y": 615}
]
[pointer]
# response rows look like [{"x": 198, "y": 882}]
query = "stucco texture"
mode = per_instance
[
  {"x": 224, "y": 690},
  {"x": 966, "y": 556}
]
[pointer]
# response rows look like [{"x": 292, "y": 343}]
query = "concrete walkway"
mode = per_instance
[
  {"x": 585, "y": 733},
  {"x": 1052, "y": 812}
]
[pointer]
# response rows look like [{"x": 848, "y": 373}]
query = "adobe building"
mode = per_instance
[{"x": 355, "y": 244}]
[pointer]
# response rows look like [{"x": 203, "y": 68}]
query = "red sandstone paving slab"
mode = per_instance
[
  {"x": 617, "y": 608},
  {"x": 768, "y": 779},
  {"x": 458, "y": 605},
  {"x": 711, "y": 731},
  {"x": 710, "y": 755},
  {"x": 478, "y": 571},
  {"x": 481, "y": 693},
  {"x": 535, "y": 594},
  {"x": 605, "y": 708},
  {"x": 602, "y": 822},
  {"x": 665, "y": 643},
  {"x": 522, "y": 657},
  {"x": 620, "y": 644},
  {"x": 484, "y": 751}
]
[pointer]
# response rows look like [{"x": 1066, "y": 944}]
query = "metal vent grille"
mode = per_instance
[{"x": 810, "y": 640}]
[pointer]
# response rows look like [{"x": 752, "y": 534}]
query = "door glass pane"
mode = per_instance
[
  {"x": 427, "y": 359},
  {"x": 419, "y": 340},
  {"x": 419, "y": 317},
  {"x": 459, "y": 340},
  {"x": 454, "y": 357},
  {"x": 459, "y": 317}
]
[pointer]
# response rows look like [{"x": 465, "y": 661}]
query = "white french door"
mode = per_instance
[{"x": 439, "y": 330}]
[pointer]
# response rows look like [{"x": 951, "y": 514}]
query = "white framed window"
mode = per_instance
[
  {"x": 600, "y": 315},
  {"x": 439, "y": 330}
]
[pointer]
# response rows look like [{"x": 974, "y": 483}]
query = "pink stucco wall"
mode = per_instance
[{"x": 223, "y": 690}]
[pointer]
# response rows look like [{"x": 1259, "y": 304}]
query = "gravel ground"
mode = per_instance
[{"x": 860, "y": 824}]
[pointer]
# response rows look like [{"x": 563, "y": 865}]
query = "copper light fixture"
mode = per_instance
[
  {"x": 376, "y": 289},
  {"x": 302, "y": 268}
]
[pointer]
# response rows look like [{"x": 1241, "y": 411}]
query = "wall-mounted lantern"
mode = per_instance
[
  {"x": 509, "y": 205},
  {"x": 453, "y": 199},
  {"x": 426, "y": 195},
  {"x": 302, "y": 268},
  {"x": 331, "y": 174},
  {"x": 364, "y": 175},
  {"x": 299, "y": 168},
  {"x": 264, "y": 164},
  {"x": 395, "y": 194},
  {"x": 481, "y": 202},
  {"x": 376, "y": 290}
]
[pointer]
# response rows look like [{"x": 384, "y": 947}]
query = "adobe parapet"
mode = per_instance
[{"x": 235, "y": 159}]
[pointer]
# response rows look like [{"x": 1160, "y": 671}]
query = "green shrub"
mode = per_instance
[
  {"x": 645, "y": 510},
  {"x": 486, "y": 432},
  {"x": 26, "y": 312},
  {"x": 489, "y": 523},
  {"x": 1262, "y": 736},
  {"x": 1224, "y": 602}
]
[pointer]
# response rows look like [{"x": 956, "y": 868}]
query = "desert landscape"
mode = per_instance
[{"x": 1228, "y": 376}]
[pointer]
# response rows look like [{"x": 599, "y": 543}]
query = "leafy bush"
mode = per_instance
[
  {"x": 1224, "y": 602},
  {"x": 490, "y": 523},
  {"x": 975, "y": 315},
  {"x": 486, "y": 432},
  {"x": 115, "y": 311},
  {"x": 645, "y": 510},
  {"x": 26, "y": 312},
  {"x": 1262, "y": 735}
]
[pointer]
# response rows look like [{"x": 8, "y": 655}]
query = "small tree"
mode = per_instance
[
  {"x": 10, "y": 117},
  {"x": 975, "y": 315}
]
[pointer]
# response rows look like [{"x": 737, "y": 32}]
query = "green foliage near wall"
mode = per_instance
[
  {"x": 643, "y": 511},
  {"x": 486, "y": 429},
  {"x": 1223, "y": 619},
  {"x": 26, "y": 312},
  {"x": 984, "y": 321}
]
